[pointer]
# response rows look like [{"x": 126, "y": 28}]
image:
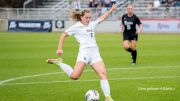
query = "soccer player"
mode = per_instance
[
  {"x": 83, "y": 31},
  {"x": 130, "y": 34}
]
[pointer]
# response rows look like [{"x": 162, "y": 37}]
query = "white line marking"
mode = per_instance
[
  {"x": 128, "y": 68},
  {"x": 30, "y": 76},
  {"x": 93, "y": 80},
  {"x": 134, "y": 67}
]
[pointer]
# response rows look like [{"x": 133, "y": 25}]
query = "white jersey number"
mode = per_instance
[{"x": 128, "y": 27}]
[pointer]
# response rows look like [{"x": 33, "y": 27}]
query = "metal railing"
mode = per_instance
[{"x": 63, "y": 14}]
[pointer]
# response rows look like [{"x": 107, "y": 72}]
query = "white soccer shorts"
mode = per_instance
[{"x": 89, "y": 55}]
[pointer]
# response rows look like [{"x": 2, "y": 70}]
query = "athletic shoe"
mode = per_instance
[
  {"x": 54, "y": 61},
  {"x": 133, "y": 64},
  {"x": 109, "y": 98}
]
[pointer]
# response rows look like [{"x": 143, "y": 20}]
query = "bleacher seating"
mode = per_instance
[
  {"x": 52, "y": 3},
  {"x": 59, "y": 9},
  {"x": 49, "y": 3}
]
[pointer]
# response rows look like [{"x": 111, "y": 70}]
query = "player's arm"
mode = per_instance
[
  {"x": 140, "y": 26},
  {"x": 122, "y": 28},
  {"x": 139, "y": 29},
  {"x": 61, "y": 42},
  {"x": 122, "y": 24},
  {"x": 106, "y": 14}
]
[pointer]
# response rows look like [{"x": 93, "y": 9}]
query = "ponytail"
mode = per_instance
[{"x": 76, "y": 15}]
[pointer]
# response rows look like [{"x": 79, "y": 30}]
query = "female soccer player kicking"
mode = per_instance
[{"x": 83, "y": 31}]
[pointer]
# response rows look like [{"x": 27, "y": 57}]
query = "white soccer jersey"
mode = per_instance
[{"x": 84, "y": 34}]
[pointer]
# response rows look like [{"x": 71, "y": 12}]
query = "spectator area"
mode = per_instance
[{"x": 59, "y": 9}]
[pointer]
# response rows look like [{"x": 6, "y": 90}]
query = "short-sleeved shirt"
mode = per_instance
[
  {"x": 130, "y": 24},
  {"x": 84, "y": 34}
]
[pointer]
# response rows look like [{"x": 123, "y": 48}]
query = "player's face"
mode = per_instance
[
  {"x": 130, "y": 10},
  {"x": 86, "y": 18}
]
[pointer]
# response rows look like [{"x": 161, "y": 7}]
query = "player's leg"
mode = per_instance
[
  {"x": 134, "y": 51},
  {"x": 99, "y": 68},
  {"x": 66, "y": 68},
  {"x": 126, "y": 45},
  {"x": 78, "y": 69},
  {"x": 73, "y": 74},
  {"x": 80, "y": 64}
]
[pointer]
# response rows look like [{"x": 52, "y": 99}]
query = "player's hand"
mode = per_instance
[
  {"x": 59, "y": 52},
  {"x": 114, "y": 7},
  {"x": 122, "y": 31},
  {"x": 138, "y": 31}
]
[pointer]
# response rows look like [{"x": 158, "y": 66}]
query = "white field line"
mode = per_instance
[
  {"x": 92, "y": 80},
  {"x": 30, "y": 76},
  {"x": 128, "y": 68}
]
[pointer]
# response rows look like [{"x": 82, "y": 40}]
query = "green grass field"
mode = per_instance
[{"x": 24, "y": 75}]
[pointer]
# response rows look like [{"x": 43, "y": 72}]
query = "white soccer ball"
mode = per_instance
[{"x": 92, "y": 95}]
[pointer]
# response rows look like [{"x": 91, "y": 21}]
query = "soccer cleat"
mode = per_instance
[
  {"x": 109, "y": 98},
  {"x": 54, "y": 61},
  {"x": 133, "y": 64}
]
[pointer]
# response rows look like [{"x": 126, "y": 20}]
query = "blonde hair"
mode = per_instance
[
  {"x": 130, "y": 5},
  {"x": 76, "y": 15}
]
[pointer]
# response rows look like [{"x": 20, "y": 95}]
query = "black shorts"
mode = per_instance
[{"x": 130, "y": 37}]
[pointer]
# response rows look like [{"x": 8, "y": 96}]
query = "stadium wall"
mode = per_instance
[
  {"x": 149, "y": 26},
  {"x": 106, "y": 26},
  {"x": 3, "y": 25}
]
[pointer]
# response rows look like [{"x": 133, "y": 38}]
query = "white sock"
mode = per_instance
[
  {"x": 105, "y": 87},
  {"x": 66, "y": 68}
]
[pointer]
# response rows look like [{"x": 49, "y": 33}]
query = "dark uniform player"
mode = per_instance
[{"x": 130, "y": 34}]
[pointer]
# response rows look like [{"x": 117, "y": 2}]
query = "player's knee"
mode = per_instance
[
  {"x": 74, "y": 77},
  {"x": 126, "y": 47},
  {"x": 133, "y": 48}
]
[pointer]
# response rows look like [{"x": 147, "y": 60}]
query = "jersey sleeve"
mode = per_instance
[
  {"x": 94, "y": 23},
  {"x": 71, "y": 31},
  {"x": 122, "y": 20},
  {"x": 138, "y": 20}
]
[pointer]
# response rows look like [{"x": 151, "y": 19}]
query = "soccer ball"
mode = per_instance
[{"x": 92, "y": 95}]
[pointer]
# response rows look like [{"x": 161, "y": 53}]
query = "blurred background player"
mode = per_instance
[
  {"x": 83, "y": 31},
  {"x": 130, "y": 34}
]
